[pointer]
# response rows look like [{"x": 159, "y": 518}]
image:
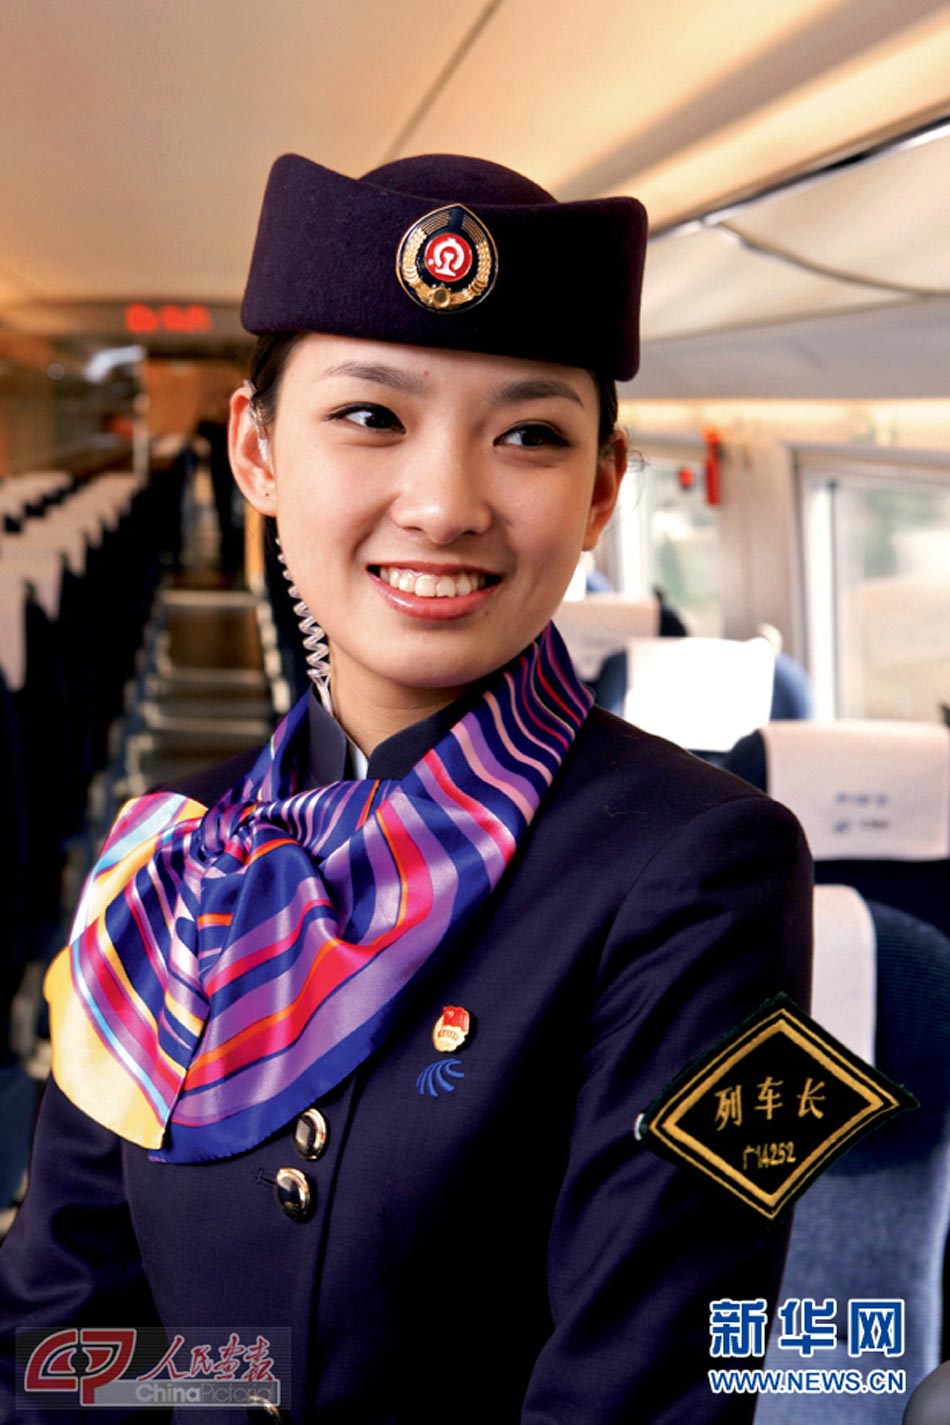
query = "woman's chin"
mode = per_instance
[{"x": 431, "y": 680}]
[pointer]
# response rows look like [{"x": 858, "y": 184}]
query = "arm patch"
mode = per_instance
[{"x": 770, "y": 1107}]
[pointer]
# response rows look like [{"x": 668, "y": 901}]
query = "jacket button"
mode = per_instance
[
  {"x": 310, "y": 1134},
  {"x": 294, "y": 1193},
  {"x": 268, "y": 1406}
]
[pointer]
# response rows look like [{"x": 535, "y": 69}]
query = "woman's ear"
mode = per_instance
[
  {"x": 611, "y": 464},
  {"x": 250, "y": 454}
]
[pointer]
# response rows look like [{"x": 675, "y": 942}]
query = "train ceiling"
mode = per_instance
[{"x": 135, "y": 136}]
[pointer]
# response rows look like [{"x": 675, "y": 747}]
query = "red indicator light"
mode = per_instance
[
  {"x": 198, "y": 318},
  {"x": 170, "y": 317},
  {"x": 139, "y": 318}
]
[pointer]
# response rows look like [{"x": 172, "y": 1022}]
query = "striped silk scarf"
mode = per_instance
[{"x": 230, "y": 965}]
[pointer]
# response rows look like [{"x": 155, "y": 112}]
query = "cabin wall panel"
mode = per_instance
[{"x": 759, "y": 541}]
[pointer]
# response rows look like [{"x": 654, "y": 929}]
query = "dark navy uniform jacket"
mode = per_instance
[{"x": 505, "y": 1251}]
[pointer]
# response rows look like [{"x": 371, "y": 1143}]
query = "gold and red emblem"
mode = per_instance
[
  {"x": 451, "y": 1029},
  {"x": 447, "y": 260}
]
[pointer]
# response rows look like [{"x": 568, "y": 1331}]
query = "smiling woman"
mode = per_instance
[
  {"x": 432, "y": 506},
  {"x": 352, "y": 1035}
]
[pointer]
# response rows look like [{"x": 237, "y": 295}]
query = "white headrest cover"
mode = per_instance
[
  {"x": 42, "y": 567},
  {"x": 58, "y": 532},
  {"x": 704, "y": 693},
  {"x": 877, "y": 791},
  {"x": 844, "y": 988}
]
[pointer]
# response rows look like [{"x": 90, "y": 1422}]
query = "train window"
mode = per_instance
[
  {"x": 667, "y": 537},
  {"x": 877, "y": 577}
]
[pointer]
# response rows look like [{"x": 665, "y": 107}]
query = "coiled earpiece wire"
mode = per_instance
[{"x": 314, "y": 637}]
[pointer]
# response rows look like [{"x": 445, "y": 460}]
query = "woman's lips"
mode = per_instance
[{"x": 433, "y": 592}]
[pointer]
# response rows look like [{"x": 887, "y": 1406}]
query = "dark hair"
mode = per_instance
[
  {"x": 609, "y": 407},
  {"x": 272, "y": 352},
  {"x": 268, "y": 363}
]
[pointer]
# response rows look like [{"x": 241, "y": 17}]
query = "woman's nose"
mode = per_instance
[{"x": 443, "y": 497}]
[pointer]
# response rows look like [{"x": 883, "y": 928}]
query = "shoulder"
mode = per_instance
[
  {"x": 626, "y": 771},
  {"x": 632, "y": 815},
  {"x": 693, "y": 860}
]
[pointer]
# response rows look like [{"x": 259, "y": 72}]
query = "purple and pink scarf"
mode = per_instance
[{"x": 228, "y": 966}]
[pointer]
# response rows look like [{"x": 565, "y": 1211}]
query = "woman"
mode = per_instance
[{"x": 387, "y": 1013}]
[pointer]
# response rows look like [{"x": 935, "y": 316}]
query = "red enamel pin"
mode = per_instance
[{"x": 451, "y": 1029}]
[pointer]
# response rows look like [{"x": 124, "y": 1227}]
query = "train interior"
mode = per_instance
[{"x": 774, "y": 591}]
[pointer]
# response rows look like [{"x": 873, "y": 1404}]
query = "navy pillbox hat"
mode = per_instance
[{"x": 447, "y": 251}]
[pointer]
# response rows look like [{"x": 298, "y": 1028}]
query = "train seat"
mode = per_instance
[
  {"x": 601, "y": 624},
  {"x": 27, "y": 497},
  {"x": 12, "y": 632},
  {"x": 874, "y": 800},
  {"x": 50, "y": 554},
  {"x": 73, "y": 535},
  {"x": 59, "y": 530},
  {"x": 597, "y": 628},
  {"x": 17, "y": 1112},
  {"x": 17, "y": 1095},
  {"x": 703, "y": 693},
  {"x": 38, "y": 490},
  {"x": 13, "y": 834},
  {"x": 874, "y": 1225},
  {"x": 38, "y": 565},
  {"x": 793, "y": 696},
  {"x": 104, "y": 534},
  {"x": 42, "y": 707}
]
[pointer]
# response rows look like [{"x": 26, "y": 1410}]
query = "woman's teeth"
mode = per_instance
[{"x": 432, "y": 586}]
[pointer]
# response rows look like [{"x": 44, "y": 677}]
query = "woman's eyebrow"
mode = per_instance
[
  {"x": 535, "y": 388},
  {"x": 383, "y": 375}
]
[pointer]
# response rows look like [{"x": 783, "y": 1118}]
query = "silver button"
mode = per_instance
[
  {"x": 310, "y": 1134},
  {"x": 294, "y": 1193}
]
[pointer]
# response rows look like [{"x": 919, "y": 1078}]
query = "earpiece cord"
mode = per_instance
[{"x": 314, "y": 638}]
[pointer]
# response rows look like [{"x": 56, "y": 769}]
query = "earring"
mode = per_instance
[{"x": 314, "y": 638}]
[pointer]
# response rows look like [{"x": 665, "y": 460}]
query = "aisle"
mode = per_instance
[
  {"x": 202, "y": 693},
  {"x": 205, "y": 695}
]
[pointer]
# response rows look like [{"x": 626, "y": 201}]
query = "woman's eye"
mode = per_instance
[
  {"x": 533, "y": 435},
  {"x": 370, "y": 417}
]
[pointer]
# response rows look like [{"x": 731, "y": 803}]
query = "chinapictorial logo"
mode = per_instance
[{"x": 447, "y": 260}]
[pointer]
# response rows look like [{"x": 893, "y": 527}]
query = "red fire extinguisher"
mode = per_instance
[{"x": 713, "y": 467}]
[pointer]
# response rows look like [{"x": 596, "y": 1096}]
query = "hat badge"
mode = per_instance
[{"x": 447, "y": 260}]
